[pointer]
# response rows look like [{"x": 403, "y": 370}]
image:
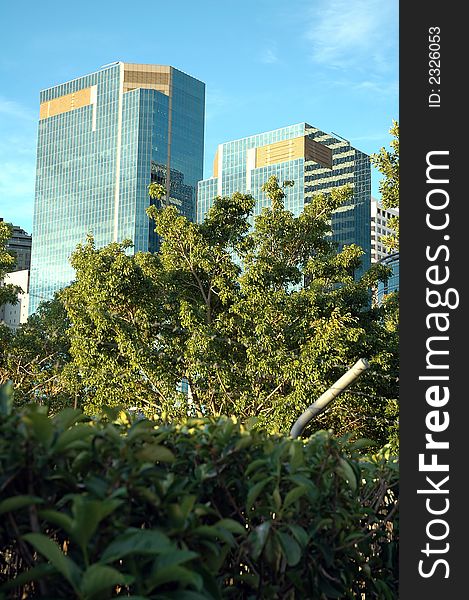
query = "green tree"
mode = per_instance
[
  {"x": 36, "y": 357},
  {"x": 387, "y": 163},
  {"x": 256, "y": 322},
  {"x": 118, "y": 306}
]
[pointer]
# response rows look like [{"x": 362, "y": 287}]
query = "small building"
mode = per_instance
[
  {"x": 20, "y": 246},
  {"x": 379, "y": 228},
  {"x": 13, "y": 315}
]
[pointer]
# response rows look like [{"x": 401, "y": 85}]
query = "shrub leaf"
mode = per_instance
[
  {"x": 16, "y": 502},
  {"x": 140, "y": 541},
  {"x": 55, "y": 556}
]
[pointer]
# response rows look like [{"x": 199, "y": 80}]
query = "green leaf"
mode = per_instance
[
  {"x": 155, "y": 453},
  {"x": 254, "y": 492},
  {"x": 362, "y": 443},
  {"x": 139, "y": 428},
  {"x": 232, "y": 526},
  {"x": 257, "y": 539},
  {"x": 101, "y": 578},
  {"x": 300, "y": 534},
  {"x": 148, "y": 495},
  {"x": 277, "y": 498},
  {"x": 67, "y": 417},
  {"x": 112, "y": 412},
  {"x": 296, "y": 455},
  {"x": 290, "y": 547},
  {"x": 293, "y": 495},
  {"x": 41, "y": 426},
  {"x": 66, "y": 439},
  {"x": 175, "y": 574},
  {"x": 55, "y": 556},
  {"x": 177, "y": 518},
  {"x": 244, "y": 442},
  {"x": 187, "y": 505},
  {"x": 81, "y": 458},
  {"x": 346, "y": 471},
  {"x": 254, "y": 466},
  {"x": 98, "y": 486},
  {"x": 354, "y": 536},
  {"x": 139, "y": 541},
  {"x": 17, "y": 502},
  {"x": 87, "y": 514},
  {"x": 173, "y": 558},
  {"x": 303, "y": 481},
  {"x": 58, "y": 518},
  {"x": 214, "y": 533}
]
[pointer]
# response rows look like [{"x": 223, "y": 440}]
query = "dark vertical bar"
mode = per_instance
[{"x": 433, "y": 291}]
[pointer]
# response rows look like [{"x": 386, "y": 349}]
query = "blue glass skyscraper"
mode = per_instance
[
  {"x": 102, "y": 138},
  {"x": 316, "y": 161}
]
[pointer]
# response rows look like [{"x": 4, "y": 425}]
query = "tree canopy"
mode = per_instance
[
  {"x": 36, "y": 357},
  {"x": 229, "y": 319},
  {"x": 387, "y": 162}
]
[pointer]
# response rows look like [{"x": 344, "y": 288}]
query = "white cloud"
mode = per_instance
[
  {"x": 217, "y": 102},
  {"x": 12, "y": 109},
  {"x": 377, "y": 86},
  {"x": 353, "y": 33},
  {"x": 269, "y": 56}
]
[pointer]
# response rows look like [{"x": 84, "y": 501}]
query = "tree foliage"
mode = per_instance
[
  {"x": 252, "y": 321},
  {"x": 35, "y": 357},
  {"x": 387, "y": 163}
]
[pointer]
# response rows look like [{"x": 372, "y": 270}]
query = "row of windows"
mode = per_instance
[
  {"x": 383, "y": 230},
  {"x": 107, "y": 80},
  {"x": 386, "y": 214}
]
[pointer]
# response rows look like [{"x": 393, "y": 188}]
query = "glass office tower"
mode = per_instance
[
  {"x": 316, "y": 161},
  {"x": 102, "y": 139}
]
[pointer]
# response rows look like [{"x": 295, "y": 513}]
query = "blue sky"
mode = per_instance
[{"x": 266, "y": 64}]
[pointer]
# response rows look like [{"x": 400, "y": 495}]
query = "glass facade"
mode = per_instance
[
  {"x": 392, "y": 284},
  {"x": 102, "y": 138},
  {"x": 237, "y": 168}
]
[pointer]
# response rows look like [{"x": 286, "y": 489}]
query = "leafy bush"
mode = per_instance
[{"x": 205, "y": 510}]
